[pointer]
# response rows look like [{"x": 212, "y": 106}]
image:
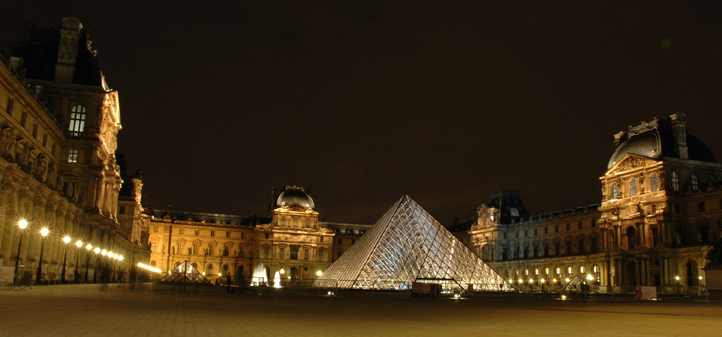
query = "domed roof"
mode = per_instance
[
  {"x": 657, "y": 141},
  {"x": 295, "y": 196}
]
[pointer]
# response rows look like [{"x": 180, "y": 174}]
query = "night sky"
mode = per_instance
[{"x": 363, "y": 101}]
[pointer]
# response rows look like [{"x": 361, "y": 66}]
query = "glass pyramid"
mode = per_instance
[{"x": 408, "y": 245}]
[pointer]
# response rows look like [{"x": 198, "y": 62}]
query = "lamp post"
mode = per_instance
[
  {"x": 44, "y": 233},
  {"x": 77, "y": 260},
  {"x": 95, "y": 269},
  {"x": 66, "y": 239},
  {"x": 87, "y": 260},
  {"x": 22, "y": 224}
]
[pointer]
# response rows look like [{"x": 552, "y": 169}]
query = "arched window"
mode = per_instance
[
  {"x": 77, "y": 120},
  {"x": 675, "y": 181},
  {"x": 695, "y": 182},
  {"x": 209, "y": 268},
  {"x": 615, "y": 191},
  {"x": 631, "y": 237},
  {"x": 654, "y": 182},
  {"x": 633, "y": 187}
]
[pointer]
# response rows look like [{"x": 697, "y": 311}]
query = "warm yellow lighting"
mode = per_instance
[
  {"x": 542, "y": 280},
  {"x": 89, "y": 247},
  {"x": 676, "y": 278},
  {"x": 566, "y": 280},
  {"x": 219, "y": 274},
  {"x": 555, "y": 280},
  {"x": 521, "y": 281},
  {"x": 104, "y": 252},
  {"x": 66, "y": 239},
  {"x": 79, "y": 243},
  {"x": 147, "y": 267},
  {"x": 120, "y": 257},
  {"x": 564, "y": 297},
  {"x": 96, "y": 250},
  {"x": 700, "y": 277},
  {"x": 531, "y": 281},
  {"x": 590, "y": 277},
  {"x": 204, "y": 273},
  {"x": 283, "y": 271},
  {"x": 44, "y": 232},
  {"x": 319, "y": 273},
  {"x": 22, "y": 224}
]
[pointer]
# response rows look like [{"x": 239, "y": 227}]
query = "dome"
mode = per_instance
[
  {"x": 295, "y": 196},
  {"x": 656, "y": 142}
]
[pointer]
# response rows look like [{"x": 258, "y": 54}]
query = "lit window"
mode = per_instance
[
  {"x": 559, "y": 270},
  {"x": 213, "y": 233},
  {"x": 695, "y": 182},
  {"x": 675, "y": 181},
  {"x": 615, "y": 191},
  {"x": 536, "y": 271},
  {"x": 197, "y": 232},
  {"x": 581, "y": 269},
  {"x": 633, "y": 187},
  {"x": 77, "y": 120},
  {"x": 73, "y": 156},
  {"x": 546, "y": 271},
  {"x": 569, "y": 270}
]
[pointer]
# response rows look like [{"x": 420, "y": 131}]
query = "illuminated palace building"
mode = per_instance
[
  {"x": 59, "y": 122},
  {"x": 290, "y": 240},
  {"x": 659, "y": 212}
]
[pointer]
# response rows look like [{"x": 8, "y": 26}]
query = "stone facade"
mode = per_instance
[
  {"x": 290, "y": 240},
  {"x": 58, "y": 168},
  {"x": 660, "y": 210}
]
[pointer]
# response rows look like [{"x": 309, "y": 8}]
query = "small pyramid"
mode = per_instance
[{"x": 407, "y": 244}]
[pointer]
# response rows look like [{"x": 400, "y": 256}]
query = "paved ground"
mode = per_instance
[{"x": 86, "y": 310}]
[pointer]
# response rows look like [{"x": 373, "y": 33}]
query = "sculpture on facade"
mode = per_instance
[
  {"x": 715, "y": 253},
  {"x": 7, "y": 143}
]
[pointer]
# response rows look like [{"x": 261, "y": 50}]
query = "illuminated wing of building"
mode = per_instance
[{"x": 408, "y": 245}]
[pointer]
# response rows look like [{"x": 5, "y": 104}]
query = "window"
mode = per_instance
[
  {"x": 77, "y": 120},
  {"x": 35, "y": 130},
  {"x": 631, "y": 237},
  {"x": 121, "y": 210},
  {"x": 213, "y": 233},
  {"x": 703, "y": 234},
  {"x": 556, "y": 228},
  {"x": 580, "y": 246},
  {"x": 559, "y": 271},
  {"x": 675, "y": 181},
  {"x": 305, "y": 255},
  {"x": 654, "y": 182},
  {"x": 228, "y": 234},
  {"x": 243, "y": 235},
  {"x": 73, "y": 156},
  {"x": 353, "y": 241},
  {"x": 266, "y": 252},
  {"x": 526, "y": 233},
  {"x": 581, "y": 269},
  {"x": 23, "y": 118},
  {"x": 282, "y": 253},
  {"x": 594, "y": 223},
  {"x": 294, "y": 253},
  {"x": 154, "y": 247},
  {"x": 701, "y": 206},
  {"x": 504, "y": 233},
  {"x": 266, "y": 236},
  {"x": 569, "y": 270},
  {"x": 320, "y": 239},
  {"x": 633, "y": 187},
  {"x": 322, "y": 255},
  {"x": 677, "y": 209},
  {"x": 546, "y": 230},
  {"x": 225, "y": 251},
  {"x": 593, "y": 245},
  {"x": 655, "y": 236},
  {"x": 569, "y": 227},
  {"x": 241, "y": 253},
  {"x": 695, "y": 182},
  {"x": 569, "y": 247},
  {"x": 340, "y": 241},
  {"x": 152, "y": 263},
  {"x": 180, "y": 230},
  {"x": 198, "y": 232},
  {"x": 155, "y": 229},
  {"x": 579, "y": 225},
  {"x": 615, "y": 191}
]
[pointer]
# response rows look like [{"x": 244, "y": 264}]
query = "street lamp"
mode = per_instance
[
  {"x": 87, "y": 260},
  {"x": 77, "y": 259},
  {"x": 66, "y": 239},
  {"x": 22, "y": 224},
  {"x": 95, "y": 268},
  {"x": 44, "y": 233}
]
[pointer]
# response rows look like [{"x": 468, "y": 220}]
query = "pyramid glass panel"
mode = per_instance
[{"x": 407, "y": 245}]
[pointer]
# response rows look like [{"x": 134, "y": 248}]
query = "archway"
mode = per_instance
[
  {"x": 692, "y": 274},
  {"x": 630, "y": 274}
]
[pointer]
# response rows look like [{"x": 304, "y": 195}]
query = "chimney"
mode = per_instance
[
  {"x": 679, "y": 130},
  {"x": 68, "y": 50}
]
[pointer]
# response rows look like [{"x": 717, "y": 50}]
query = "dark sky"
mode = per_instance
[{"x": 363, "y": 101}]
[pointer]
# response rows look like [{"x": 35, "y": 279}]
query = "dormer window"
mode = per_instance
[
  {"x": 654, "y": 182},
  {"x": 77, "y": 120},
  {"x": 675, "y": 181},
  {"x": 633, "y": 187},
  {"x": 695, "y": 182}
]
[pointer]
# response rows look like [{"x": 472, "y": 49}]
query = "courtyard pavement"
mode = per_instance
[{"x": 91, "y": 310}]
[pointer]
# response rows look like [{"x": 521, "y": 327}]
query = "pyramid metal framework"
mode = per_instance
[
  {"x": 184, "y": 272},
  {"x": 408, "y": 245}
]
